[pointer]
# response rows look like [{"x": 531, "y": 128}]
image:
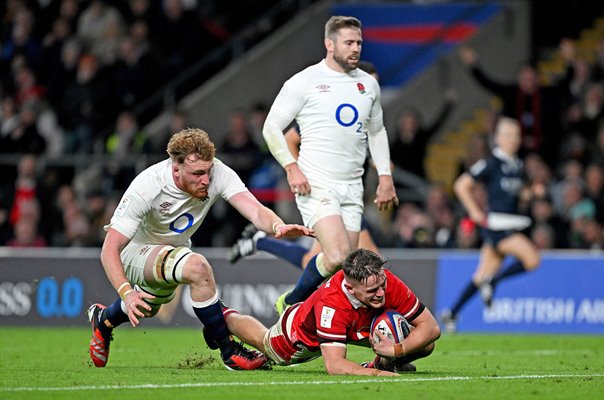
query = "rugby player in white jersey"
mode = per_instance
[
  {"x": 337, "y": 107},
  {"x": 146, "y": 253}
]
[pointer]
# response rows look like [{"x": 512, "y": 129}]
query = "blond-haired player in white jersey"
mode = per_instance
[
  {"x": 146, "y": 253},
  {"x": 337, "y": 107}
]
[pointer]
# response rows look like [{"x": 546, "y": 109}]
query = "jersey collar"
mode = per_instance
[
  {"x": 353, "y": 300},
  {"x": 497, "y": 152}
]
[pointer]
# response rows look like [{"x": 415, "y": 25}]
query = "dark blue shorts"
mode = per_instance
[{"x": 494, "y": 237}]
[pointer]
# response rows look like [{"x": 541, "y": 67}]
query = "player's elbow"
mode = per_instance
[{"x": 434, "y": 333}]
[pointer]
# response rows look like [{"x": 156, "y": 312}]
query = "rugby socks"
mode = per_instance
[
  {"x": 212, "y": 319},
  {"x": 310, "y": 279},
  {"x": 513, "y": 269},
  {"x": 284, "y": 249},
  {"x": 467, "y": 293},
  {"x": 114, "y": 314}
]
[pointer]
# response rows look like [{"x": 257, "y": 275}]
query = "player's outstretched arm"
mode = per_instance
[
  {"x": 265, "y": 219},
  {"x": 334, "y": 358}
]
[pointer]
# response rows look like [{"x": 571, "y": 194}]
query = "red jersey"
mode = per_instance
[{"x": 331, "y": 314}]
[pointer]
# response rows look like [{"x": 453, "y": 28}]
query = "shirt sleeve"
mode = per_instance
[
  {"x": 284, "y": 110},
  {"x": 230, "y": 183},
  {"x": 130, "y": 212},
  {"x": 378, "y": 137},
  {"x": 481, "y": 170},
  {"x": 331, "y": 323}
]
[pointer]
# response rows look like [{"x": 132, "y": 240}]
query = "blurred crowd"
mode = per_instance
[{"x": 71, "y": 72}]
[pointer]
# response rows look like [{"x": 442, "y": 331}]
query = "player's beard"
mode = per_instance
[{"x": 346, "y": 64}]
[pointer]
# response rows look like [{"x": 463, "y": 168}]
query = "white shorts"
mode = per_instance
[
  {"x": 134, "y": 256},
  {"x": 332, "y": 198},
  {"x": 278, "y": 345}
]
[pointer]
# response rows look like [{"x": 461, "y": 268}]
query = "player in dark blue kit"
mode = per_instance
[{"x": 502, "y": 176}]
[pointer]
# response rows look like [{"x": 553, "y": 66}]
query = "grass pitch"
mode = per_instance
[{"x": 155, "y": 363}]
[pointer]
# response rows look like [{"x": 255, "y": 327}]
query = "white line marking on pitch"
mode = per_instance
[{"x": 349, "y": 381}]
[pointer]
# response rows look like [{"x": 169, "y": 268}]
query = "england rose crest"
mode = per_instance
[{"x": 361, "y": 88}]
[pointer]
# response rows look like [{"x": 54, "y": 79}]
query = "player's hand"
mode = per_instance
[
  {"x": 135, "y": 304},
  {"x": 383, "y": 348},
  {"x": 385, "y": 197},
  {"x": 479, "y": 217},
  {"x": 293, "y": 231},
  {"x": 298, "y": 183}
]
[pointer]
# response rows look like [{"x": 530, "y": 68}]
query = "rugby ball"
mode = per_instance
[{"x": 390, "y": 324}]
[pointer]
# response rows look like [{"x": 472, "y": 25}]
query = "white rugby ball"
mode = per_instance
[{"x": 391, "y": 324}]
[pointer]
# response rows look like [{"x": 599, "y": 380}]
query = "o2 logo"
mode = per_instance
[
  {"x": 344, "y": 118},
  {"x": 60, "y": 300},
  {"x": 180, "y": 220}
]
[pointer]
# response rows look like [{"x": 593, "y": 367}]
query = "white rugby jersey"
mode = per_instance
[
  {"x": 154, "y": 211},
  {"x": 334, "y": 111}
]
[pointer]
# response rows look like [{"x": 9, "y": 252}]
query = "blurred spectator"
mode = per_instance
[
  {"x": 538, "y": 174},
  {"x": 543, "y": 214},
  {"x": 596, "y": 155},
  {"x": 127, "y": 139},
  {"x": 23, "y": 189},
  {"x": 53, "y": 43},
  {"x": 466, "y": 235},
  {"x": 175, "y": 29},
  {"x": 414, "y": 227},
  {"x": 570, "y": 171},
  {"x": 77, "y": 226},
  {"x": 408, "y": 150},
  {"x": 594, "y": 188},
  {"x": 27, "y": 89},
  {"x": 477, "y": 149},
  {"x": 86, "y": 106},
  {"x": 25, "y": 137},
  {"x": 99, "y": 27},
  {"x": 593, "y": 235},
  {"x": 543, "y": 236},
  {"x": 438, "y": 207},
  {"x": 536, "y": 107},
  {"x": 26, "y": 234},
  {"x": 21, "y": 39},
  {"x": 575, "y": 206},
  {"x": 9, "y": 118},
  {"x": 241, "y": 153},
  {"x": 585, "y": 116},
  {"x": 133, "y": 73},
  {"x": 63, "y": 73},
  {"x": 96, "y": 212},
  {"x": 238, "y": 148},
  {"x": 178, "y": 121}
]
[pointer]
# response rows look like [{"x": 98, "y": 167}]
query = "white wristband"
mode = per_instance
[{"x": 276, "y": 226}]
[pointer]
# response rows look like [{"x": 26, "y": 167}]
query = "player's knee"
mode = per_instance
[
  {"x": 198, "y": 269},
  {"x": 334, "y": 259},
  {"x": 532, "y": 262}
]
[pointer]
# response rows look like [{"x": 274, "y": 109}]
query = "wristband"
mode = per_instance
[
  {"x": 276, "y": 226},
  {"x": 399, "y": 350},
  {"x": 124, "y": 289}
]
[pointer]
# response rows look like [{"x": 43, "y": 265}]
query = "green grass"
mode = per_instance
[{"x": 174, "y": 364}]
